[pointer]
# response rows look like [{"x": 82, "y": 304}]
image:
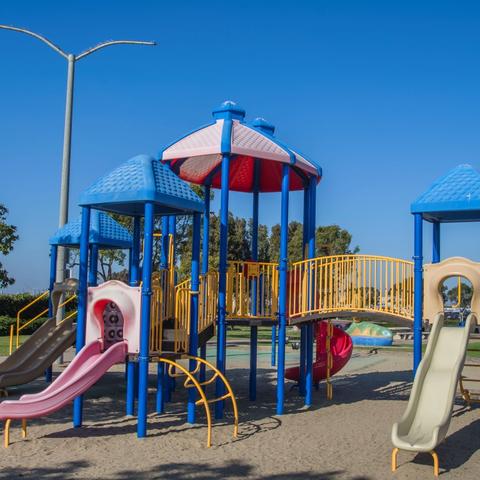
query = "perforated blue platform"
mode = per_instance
[
  {"x": 104, "y": 232},
  {"x": 141, "y": 179},
  {"x": 455, "y": 197}
]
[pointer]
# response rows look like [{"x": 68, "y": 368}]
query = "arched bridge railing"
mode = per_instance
[{"x": 351, "y": 283}]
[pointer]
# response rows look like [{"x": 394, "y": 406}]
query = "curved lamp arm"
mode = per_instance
[
  {"x": 112, "y": 42},
  {"x": 36, "y": 35}
]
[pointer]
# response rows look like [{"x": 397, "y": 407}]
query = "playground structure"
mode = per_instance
[{"x": 455, "y": 197}]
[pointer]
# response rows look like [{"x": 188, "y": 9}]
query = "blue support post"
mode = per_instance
[
  {"x": 254, "y": 247},
  {"x": 436, "y": 243},
  {"x": 82, "y": 305},
  {"x": 143, "y": 357},
  {"x": 164, "y": 245},
  {"x": 51, "y": 285},
  {"x": 274, "y": 346},
  {"x": 93, "y": 270},
  {"x": 222, "y": 287},
  {"x": 205, "y": 253},
  {"x": 132, "y": 389},
  {"x": 418, "y": 291},
  {"x": 310, "y": 326},
  {"x": 282, "y": 301},
  {"x": 194, "y": 287},
  {"x": 160, "y": 396}
]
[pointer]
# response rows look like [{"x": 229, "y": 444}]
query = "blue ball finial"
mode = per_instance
[
  {"x": 263, "y": 125},
  {"x": 229, "y": 110}
]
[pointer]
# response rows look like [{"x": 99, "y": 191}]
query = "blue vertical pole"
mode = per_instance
[
  {"x": 82, "y": 305},
  {"x": 303, "y": 327},
  {"x": 143, "y": 357},
  {"x": 160, "y": 395},
  {"x": 254, "y": 328},
  {"x": 205, "y": 251},
  {"x": 222, "y": 287},
  {"x": 310, "y": 326},
  {"x": 51, "y": 285},
  {"x": 418, "y": 291},
  {"x": 93, "y": 270},
  {"x": 194, "y": 287},
  {"x": 282, "y": 301},
  {"x": 274, "y": 346},
  {"x": 164, "y": 245},
  {"x": 134, "y": 281},
  {"x": 436, "y": 243}
]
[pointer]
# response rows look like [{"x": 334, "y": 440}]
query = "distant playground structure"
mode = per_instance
[{"x": 157, "y": 320}]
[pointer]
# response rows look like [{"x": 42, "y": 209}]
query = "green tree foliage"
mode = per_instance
[{"x": 8, "y": 237}]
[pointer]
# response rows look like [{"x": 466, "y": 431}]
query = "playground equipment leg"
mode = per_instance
[
  {"x": 130, "y": 388},
  {"x": 253, "y": 362},
  {"x": 135, "y": 378},
  {"x": 274, "y": 345},
  {"x": 303, "y": 357},
  {"x": 309, "y": 365},
  {"x": 418, "y": 292},
  {"x": 48, "y": 374},
  {"x": 160, "y": 397},
  {"x": 394, "y": 459},
  {"x": 203, "y": 355}
]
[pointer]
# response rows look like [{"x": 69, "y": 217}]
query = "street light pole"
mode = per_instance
[{"x": 67, "y": 136}]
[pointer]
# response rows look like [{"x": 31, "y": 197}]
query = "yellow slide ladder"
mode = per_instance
[{"x": 192, "y": 382}]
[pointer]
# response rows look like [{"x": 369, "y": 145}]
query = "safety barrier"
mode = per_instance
[{"x": 351, "y": 283}]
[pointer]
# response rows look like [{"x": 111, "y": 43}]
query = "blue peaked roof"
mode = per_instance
[
  {"x": 104, "y": 232},
  {"x": 455, "y": 197},
  {"x": 142, "y": 179}
]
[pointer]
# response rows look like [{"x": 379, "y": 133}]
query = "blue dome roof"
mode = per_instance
[
  {"x": 455, "y": 197},
  {"x": 142, "y": 179},
  {"x": 104, "y": 232}
]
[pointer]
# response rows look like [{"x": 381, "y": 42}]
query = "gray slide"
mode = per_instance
[
  {"x": 37, "y": 353},
  {"x": 426, "y": 420}
]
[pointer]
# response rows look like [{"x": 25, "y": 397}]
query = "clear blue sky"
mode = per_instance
[{"x": 384, "y": 95}]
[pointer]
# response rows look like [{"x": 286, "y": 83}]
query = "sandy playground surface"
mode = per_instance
[{"x": 348, "y": 438}]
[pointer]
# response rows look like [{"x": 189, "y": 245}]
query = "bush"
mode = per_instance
[
  {"x": 5, "y": 323},
  {"x": 10, "y": 304}
]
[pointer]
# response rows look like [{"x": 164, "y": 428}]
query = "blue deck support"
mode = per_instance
[
  {"x": 273, "y": 360},
  {"x": 164, "y": 244},
  {"x": 194, "y": 287},
  {"x": 51, "y": 284},
  {"x": 418, "y": 291},
  {"x": 254, "y": 247},
  {"x": 310, "y": 326},
  {"x": 282, "y": 301},
  {"x": 172, "y": 232},
  {"x": 134, "y": 281},
  {"x": 93, "y": 267},
  {"x": 222, "y": 287},
  {"x": 205, "y": 252},
  {"x": 160, "y": 394},
  {"x": 436, "y": 243},
  {"x": 143, "y": 357},
  {"x": 82, "y": 305}
]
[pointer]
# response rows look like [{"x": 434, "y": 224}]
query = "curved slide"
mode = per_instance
[
  {"x": 341, "y": 349},
  {"x": 423, "y": 427},
  {"x": 30, "y": 360},
  {"x": 85, "y": 370}
]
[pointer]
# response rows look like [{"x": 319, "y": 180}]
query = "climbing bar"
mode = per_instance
[{"x": 8, "y": 422}]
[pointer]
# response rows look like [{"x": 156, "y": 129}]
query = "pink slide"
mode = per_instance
[
  {"x": 89, "y": 365},
  {"x": 341, "y": 349}
]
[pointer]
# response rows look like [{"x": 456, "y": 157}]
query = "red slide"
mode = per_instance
[{"x": 341, "y": 349}]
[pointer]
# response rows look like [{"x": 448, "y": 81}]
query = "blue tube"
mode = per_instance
[
  {"x": 253, "y": 328},
  {"x": 309, "y": 365},
  {"x": 436, "y": 243},
  {"x": 222, "y": 283},
  {"x": 143, "y": 357},
  {"x": 135, "y": 253},
  {"x": 195, "y": 285},
  {"x": 282, "y": 302},
  {"x": 160, "y": 397},
  {"x": 418, "y": 291},
  {"x": 82, "y": 304},
  {"x": 93, "y": 270},
  {"x": 130, "y": 406},
  {"x": 274, "y": 346}
]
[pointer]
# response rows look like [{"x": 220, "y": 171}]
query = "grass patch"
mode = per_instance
[{"x": 5, "y": 344}]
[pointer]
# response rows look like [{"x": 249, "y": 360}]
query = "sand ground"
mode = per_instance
[{"x": 347, "y": 438}]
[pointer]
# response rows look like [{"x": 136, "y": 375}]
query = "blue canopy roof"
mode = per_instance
[
  {"x": 142, "y": 179},
  {"x": 104, "y": 232},
  {"x": 455, "y": 197}
]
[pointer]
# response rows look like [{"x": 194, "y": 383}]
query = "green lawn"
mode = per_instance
[{"x": 5, "y": 344}]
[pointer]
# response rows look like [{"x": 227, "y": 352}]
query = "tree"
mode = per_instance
[{"x": 8, "y": 237}]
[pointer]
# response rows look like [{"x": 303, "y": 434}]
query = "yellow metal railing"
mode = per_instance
[
  {"x": 356, "y": 283},
  {"x": 21, "y": 326},
  {"x": 252, "y": 290},
  {"x": 208, "y": 301}
]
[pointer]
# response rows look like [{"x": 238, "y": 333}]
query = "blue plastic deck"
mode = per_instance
[{"x": 454, "y": 197}]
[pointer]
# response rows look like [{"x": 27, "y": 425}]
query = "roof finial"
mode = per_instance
[
  {"x": 263, "y": 125},
  {"x": 229, "y": 110}
]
